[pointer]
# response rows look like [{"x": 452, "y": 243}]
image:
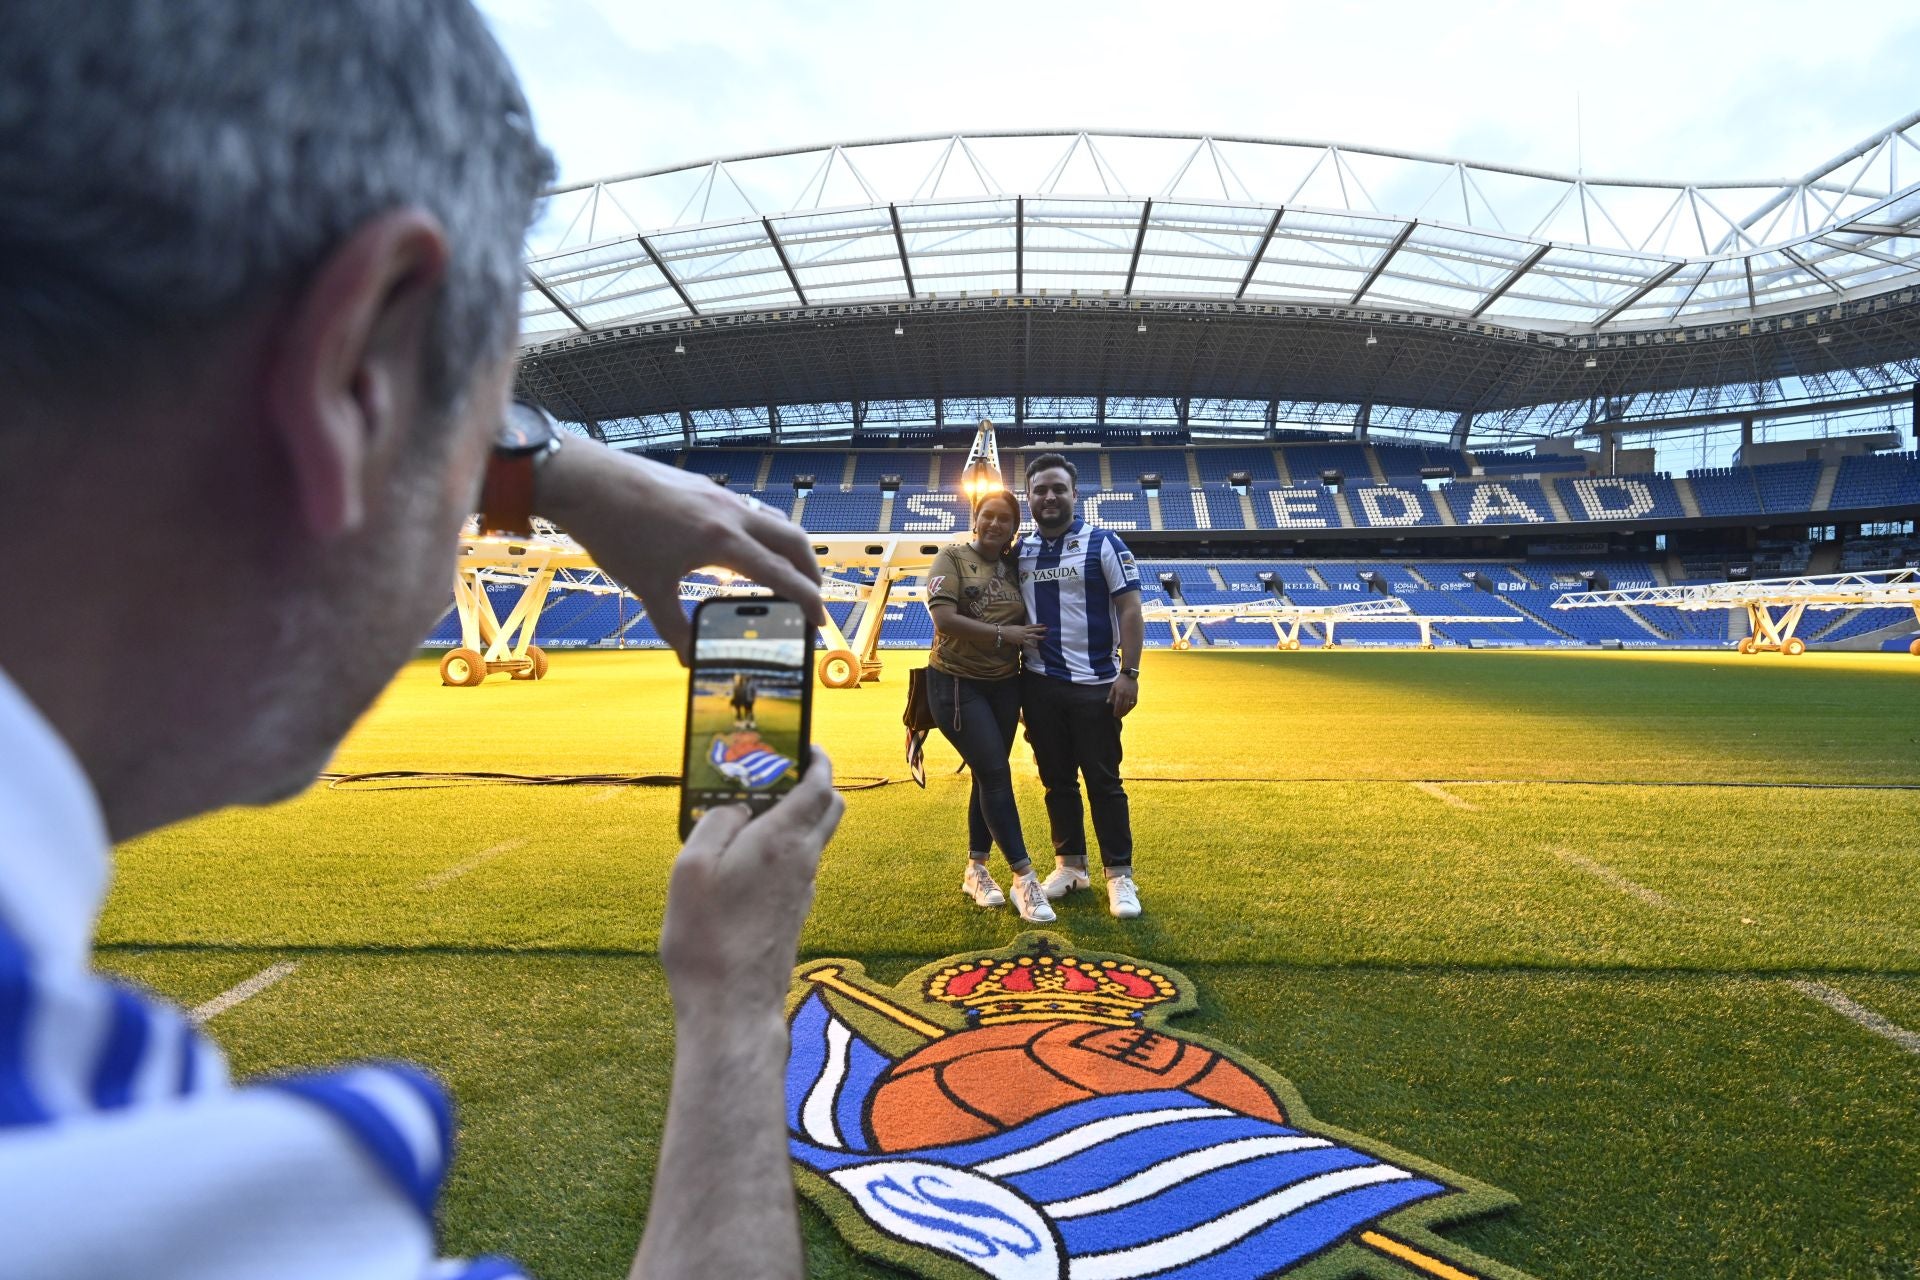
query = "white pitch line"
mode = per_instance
[
  {"x": 605, "y": 794},
  {"x": 478, "y": 860},
  {"x": 245, "y": 991},
  {"x": 1439, "y": 792},
  {"x": 1858, "y": 1014},
  {"x": 1614, "y": 878}
]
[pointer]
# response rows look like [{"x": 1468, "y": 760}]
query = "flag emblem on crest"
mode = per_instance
[
  {"x": 1024, "y": 1114},
  {"x": 744, "y": 759}
]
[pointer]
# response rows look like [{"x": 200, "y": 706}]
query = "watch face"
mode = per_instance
[{"x": 525, "y": 428}]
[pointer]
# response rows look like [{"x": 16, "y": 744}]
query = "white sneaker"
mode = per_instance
[
  {"x": 978, "y": 884},
  {"x": 1064, "y": 880},
  {"x": 1122, "y": 898},
  {"x": 1030, "y": 900}
]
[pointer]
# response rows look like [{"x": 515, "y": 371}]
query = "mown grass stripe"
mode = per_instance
[
  {"x": 1441, "y": 794},
  {"x": 477, "y": 861},
  {"x": 1603, "y": 872},
  {"x": 1858, "y": 1014},
  {"x": 244, "y": 991}
]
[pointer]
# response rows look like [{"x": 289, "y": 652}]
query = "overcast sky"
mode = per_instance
[{"x": 1688, "y": 90}]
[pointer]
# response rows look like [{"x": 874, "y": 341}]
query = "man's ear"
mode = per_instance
[{"x": 344, "y": 381}]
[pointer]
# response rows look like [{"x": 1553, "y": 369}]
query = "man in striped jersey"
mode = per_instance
[
  {"x": 258, "y": 271},
  {"x": 1081, "y": 680}
]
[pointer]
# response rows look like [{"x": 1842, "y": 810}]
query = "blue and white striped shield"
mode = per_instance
[{"x": 1165, "y": 1183}]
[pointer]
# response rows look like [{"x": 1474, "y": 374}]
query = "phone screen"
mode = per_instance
[{"x": 749, "y": 705}]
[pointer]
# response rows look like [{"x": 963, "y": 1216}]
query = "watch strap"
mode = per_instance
[{"x": 506, "y": 494}]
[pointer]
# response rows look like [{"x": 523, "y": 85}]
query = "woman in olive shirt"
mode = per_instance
[{"x": 973, "y": 685}]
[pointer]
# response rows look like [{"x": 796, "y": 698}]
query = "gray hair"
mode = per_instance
[{"x": 166, "y": 163}]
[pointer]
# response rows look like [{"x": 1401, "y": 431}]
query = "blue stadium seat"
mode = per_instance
[
  {"x": 1726, "y": 491},
  {"x": 825, "y": 468},
  {"x": 1620, "y": 498},
  {"x": 1788, "y": 486},
  {"x": 1306, "y": 506},
  {"x": 1393, "y": 506},
  {"x": 1877, "y": 480},
  {"x": 1218, "y": 464},
  {"x": 1509, "y": 501},
  {"x": 1128, "y": 465}
]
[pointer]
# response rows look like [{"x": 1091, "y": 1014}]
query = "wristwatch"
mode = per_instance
[
  {"x": 528, "y": 437},
  {"x": 1131, "y": 673}
]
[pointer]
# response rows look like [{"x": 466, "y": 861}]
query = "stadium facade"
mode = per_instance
[{"x": 1292, "y": 368}]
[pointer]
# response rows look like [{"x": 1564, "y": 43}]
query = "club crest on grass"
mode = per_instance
[{"x": 1025, "y": 1113}]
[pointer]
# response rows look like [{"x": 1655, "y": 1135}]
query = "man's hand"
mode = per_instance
[
  {"x": 723, "y": 1189},
  {"x": 739, "y": 894},
  {"x": 1123, "y": 695},
  {"x": 649, "y": 525}
]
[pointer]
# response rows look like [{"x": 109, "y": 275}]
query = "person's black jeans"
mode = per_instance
[
  {"x": 1074, "y": 735},
  {"x": 980, "y": 719}
]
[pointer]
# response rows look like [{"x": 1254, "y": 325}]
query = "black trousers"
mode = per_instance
[
  {"x": 980, "y": 718},
  {"x": 1075, "y": 735}
]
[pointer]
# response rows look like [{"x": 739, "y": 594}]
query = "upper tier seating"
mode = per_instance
[{"x": 1877, "y": 480}]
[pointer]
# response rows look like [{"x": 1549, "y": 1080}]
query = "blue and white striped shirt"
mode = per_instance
[
  {"x": 124, "y": 1148},
  {"x": 1070, "y": 584}
]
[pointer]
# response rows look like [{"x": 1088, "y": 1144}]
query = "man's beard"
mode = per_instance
[{"x": 1060, "y": 520}]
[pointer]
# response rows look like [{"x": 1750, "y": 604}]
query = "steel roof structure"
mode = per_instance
[{"x": 1091, "y": 264}]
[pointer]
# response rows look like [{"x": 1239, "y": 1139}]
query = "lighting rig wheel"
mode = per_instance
[
  {"x": 840, "y": 669},
  {"x": 538, "y": 671},
  {"x": 1747, "y": 644},
  {"x": 463, "y": 668},
  {"x": 1293, "y": 646},
  {"x": 1794, "y": 647},
  {"x": 1914, "y": 648},
  {"x": 1181, "y": 646}
]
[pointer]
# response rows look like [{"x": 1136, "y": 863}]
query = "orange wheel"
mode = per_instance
[
  {"x": 462, "y": 667},
  {"x": 538, "y": 671},
  {"x": 1914, "y": 648},
  {"x": 840, "y": 669},
  {"x": 1747, "y": 644},
  {"x": 1794, "y": 647}
]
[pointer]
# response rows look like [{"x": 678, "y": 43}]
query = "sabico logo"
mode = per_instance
[{"x": 1025, "y": 1114}]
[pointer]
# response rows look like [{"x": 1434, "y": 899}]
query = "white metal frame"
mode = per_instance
[
  {"x": 1217, "y": 217},
  {"x": 1774, "y": 606}
]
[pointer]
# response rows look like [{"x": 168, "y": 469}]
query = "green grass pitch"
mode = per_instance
[{"x": 1531, "y": 916}]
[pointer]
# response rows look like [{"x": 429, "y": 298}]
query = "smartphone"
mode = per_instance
[{"x": 749, "y": 705}]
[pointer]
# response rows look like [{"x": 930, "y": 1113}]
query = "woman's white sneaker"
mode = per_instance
[
  {"x": 1122, "y": 898},
  {"x": 978, "y": 884},
  {"x": 1064, "y": 880},
  {"x": 1030, "y": 900}
]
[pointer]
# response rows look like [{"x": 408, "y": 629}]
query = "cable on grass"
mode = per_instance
[{"x": 425, "y": 779}]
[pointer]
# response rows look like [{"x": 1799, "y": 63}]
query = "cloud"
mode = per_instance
[{"x": 1701, "y": 90}]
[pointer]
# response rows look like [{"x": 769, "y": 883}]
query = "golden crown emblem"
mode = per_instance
[{"x": 1046, "y": 988}]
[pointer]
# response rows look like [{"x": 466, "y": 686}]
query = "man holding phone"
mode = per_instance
[{"x": 258, "y": 273}]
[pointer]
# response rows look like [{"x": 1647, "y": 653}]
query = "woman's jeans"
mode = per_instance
[{"x": 980, "y": 718}]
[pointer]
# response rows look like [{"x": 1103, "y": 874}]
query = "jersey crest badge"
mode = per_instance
[{"x": 1026, "y": 1114}]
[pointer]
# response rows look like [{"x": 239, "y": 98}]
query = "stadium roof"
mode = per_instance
[{"x": 1027, "y": 264}]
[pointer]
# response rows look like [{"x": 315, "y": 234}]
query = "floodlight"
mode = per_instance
[
  {"x": 1591, "y": 363},
  {"x": 1142, "y": 326},
  {"x": 679, "y": 347},
  {"x": 1371, "y": 340},
  {"x": 898, "y": 329}
]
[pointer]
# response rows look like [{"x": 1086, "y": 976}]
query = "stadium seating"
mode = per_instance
[
  {"x": 1393, "y": 506},
  {"x": 1510, "y": 501},
  {"x": 1217, "y": 465},
  {"x": 1877, "y": 480},
  {"x": 1126, "y": 466},
  {"x": 1787, "y": 486},
  {"x": 1725, "y": 491},
  {"x": 1620, "y": 498}
]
